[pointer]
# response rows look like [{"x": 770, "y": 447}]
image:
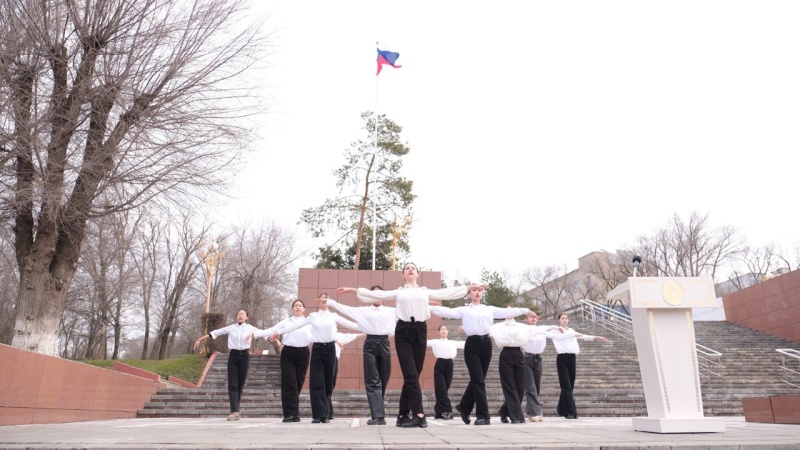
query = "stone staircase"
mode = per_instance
[{"x": 608, "y": 381}]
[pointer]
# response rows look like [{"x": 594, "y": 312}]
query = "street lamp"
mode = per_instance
[{"x": 210, "y": 255}]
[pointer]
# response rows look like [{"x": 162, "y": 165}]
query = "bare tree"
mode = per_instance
[
  {"x": 261, "y": 261},
  {"x": 789, "y": 257},
  {"x": 181, "y": 269},
  {"x": 106, "y": 105},
  {"x": 550, "y": 289},
  {"x": 146, "y": 261},
  {"x": 689, "y": 248}
]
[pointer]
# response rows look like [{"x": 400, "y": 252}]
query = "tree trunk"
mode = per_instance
[{"x": 38, "y": 311}]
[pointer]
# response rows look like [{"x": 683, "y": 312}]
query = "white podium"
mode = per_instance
[{"x": 661, "y": 308}]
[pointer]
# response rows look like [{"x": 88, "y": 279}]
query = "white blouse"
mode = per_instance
[
  {"x": 378, "y": 320},
  {"x": 445, "y": 348},
  {"x": 323, "y": 326},
  {"x": 297, "y": 338},
  {"x": 567, "y": 342},
  {"x": 236, "y": 333},
  {"x": 412, "y": 301},
  {"x": 477, "y": 319},
  {"x": 511, "y": 333}
]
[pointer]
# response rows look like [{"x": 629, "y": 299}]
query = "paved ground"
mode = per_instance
[{"x": 584, "y": 433}]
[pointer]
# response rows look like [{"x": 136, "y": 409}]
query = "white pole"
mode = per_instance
[{"x": 375, "y": 187}]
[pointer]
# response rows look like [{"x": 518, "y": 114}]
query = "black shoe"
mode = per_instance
[
  {"x": 400, "y": 420},
  {"x": 503, "y": 416},
  {"x": 316, "y": 420},
  {"x": 464, "y": 416},
  {"x": 571, "y": 416},
  {"x": 517, "y": 421},
  {"x": 447, "y": 416},
  {"x": 415, "y": 421},
  {"x": 330, "y": 417},
  {"x": 325, "y": 420},
  {"x": 291, "y": 419},
  {"x": 378, "y": 421},
  {"x": 482, "y": 422}
]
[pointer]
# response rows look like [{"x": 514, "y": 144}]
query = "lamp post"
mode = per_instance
[{"x": 210, "y": 255}]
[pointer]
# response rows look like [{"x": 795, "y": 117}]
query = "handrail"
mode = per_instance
[
  {"x": 621, "y": 324},
  {"x": 791, "y": 353}
]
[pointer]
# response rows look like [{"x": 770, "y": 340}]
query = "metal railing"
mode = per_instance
[
  {"x": 791, "y": 372},
  {"x": 709, "y": 361}
]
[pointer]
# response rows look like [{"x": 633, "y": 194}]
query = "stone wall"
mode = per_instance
[
  {"x": 772, "y": 307},
  {"x": 44, "y": 389}
]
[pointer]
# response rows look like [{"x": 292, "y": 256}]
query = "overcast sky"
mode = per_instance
[{"x": 539, "y": 131}]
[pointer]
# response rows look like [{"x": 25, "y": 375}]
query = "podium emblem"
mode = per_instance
[{"x": 673, "y": 293}]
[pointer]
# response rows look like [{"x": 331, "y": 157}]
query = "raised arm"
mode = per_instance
[
  {"x": 586, "y": 337},
  {"x": 346, "y": 323},
  {"x": 367, "y": 296},
  {"x": 351, "y": 311},
  {"x": 445, "y": 312},
  {"x": 290, "y": 326},
  {"x": 213, "y": 335},
  {"x": 453, "y": 293},
  {"x": 506, "y": 313},
  {"x": 560, "y": 333}
]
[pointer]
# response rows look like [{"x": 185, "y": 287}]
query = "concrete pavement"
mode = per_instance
[{"x": 584, "y": 433}]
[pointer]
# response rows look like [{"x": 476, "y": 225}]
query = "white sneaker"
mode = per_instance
[
  {"x": 536, "y": 418},
  {"x": 233, "y": 416}
]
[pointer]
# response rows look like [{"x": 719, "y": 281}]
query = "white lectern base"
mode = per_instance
[{"x": 696, "y": 425}]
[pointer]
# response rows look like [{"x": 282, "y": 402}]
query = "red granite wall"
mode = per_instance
[
  {"x": 45, "y": 389},
  {"x": 772, "y": 306},
  {"x": 312, "y": 282}
]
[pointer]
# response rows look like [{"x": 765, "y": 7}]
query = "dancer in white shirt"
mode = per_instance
[
  {"x": 566, "y": 344},
  {"x": 444, "y": 350},
  {"x": 511, "y": 336},
  {"x": 476, "y": 320},
  {"x": 533, "y": 370},
  {"x": 411, "y": 335},
  {"x": 323, "y": 354},
  {"x": 294, "y": 362},
  {"x": 378, "y": 322},
  {"x": 238, "y": 358}
]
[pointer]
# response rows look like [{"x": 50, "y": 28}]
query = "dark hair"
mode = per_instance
[
  {"x": 440, "y": 327},
  {"x": 242, "y": 309},
  {"x": 562, "y": 314},
  {"x": 321, "y": 294},
  {"x": 298, "y": 300},
  {"x": 377, "y": 286},
  {"x": 413, "y": 264}
]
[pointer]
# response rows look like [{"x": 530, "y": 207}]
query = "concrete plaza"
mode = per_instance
[{"x": 554, "y": 433}]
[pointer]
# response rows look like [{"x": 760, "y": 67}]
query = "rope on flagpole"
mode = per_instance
[{"x": 375, "y": 189}]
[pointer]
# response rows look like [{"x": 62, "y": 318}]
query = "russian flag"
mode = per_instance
[{"x": 386, "y": 57}]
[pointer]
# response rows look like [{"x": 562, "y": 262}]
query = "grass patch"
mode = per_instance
[{"x": 186, "y": 367}]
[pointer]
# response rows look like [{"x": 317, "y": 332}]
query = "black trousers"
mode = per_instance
[
  {"x": 442, "y": 377},
  {"x": 512, "y": 380},
  {"x": 238, "y": 364},
  {"x": 294, "y": 365},
  {"x": 323, "y": 362},
  {"x": 411, "y": 341},
  {"x": 565, "y": 363},
  {"x": 335, "y": 376},
  {"x": 377, "y": 369},
  {"x": 533, "y": 384},
  {"x": 477, "y": 356}
]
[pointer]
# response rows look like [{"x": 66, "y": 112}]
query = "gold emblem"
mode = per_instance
[{"x": 673, "y": 293}]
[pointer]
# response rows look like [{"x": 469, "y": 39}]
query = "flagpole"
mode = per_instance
[{"x": 375, "y": 189}]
